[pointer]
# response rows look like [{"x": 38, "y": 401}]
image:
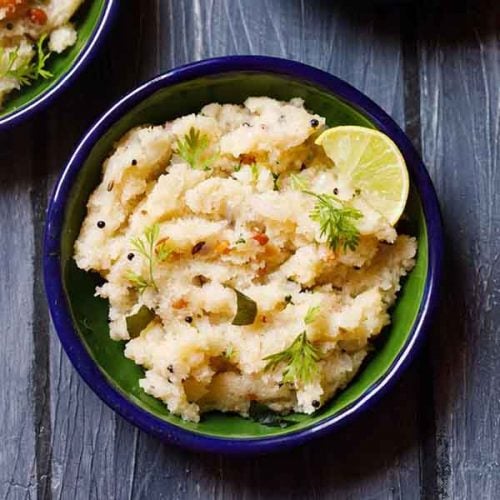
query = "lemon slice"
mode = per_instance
[{"x": 373, "y": 164}]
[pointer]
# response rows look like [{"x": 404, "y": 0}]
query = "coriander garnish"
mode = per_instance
[
  {"x": 255, "y": 172},
  {"x": 229, "y": 353},
  {"x": 154, "y": 252},
  {"x": 27, "y": 71},
  {"x": 298, "y": 182},
  {"x": 192, "y": 149},
  {"x": 336, "y": 221},
  {"x": 335, "y": 217},
  {"x": 162, "y": 251},
  {"x": 311, "y": 315},
  {"x": 300, "y": 360},
  {"x": 138, "y": 281}
]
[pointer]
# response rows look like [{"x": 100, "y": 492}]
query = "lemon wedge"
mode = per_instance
[{"x": 372, "y": 164}]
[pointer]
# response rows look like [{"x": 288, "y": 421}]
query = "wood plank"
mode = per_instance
[
  {"x": 17, "y": 432},
  {"x": 460, "y": 102}
]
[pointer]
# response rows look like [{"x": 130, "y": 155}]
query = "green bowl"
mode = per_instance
[
  {"x": 92, "y": 22},
  {"x": 80, "y": 318}
]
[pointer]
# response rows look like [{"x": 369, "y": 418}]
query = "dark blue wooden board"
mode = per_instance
[{"x": 435, "y": 66}]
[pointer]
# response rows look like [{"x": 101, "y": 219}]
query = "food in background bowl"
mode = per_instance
[
  {"x": 249, "y": 258},
  {"x": 30, "y": 31}
]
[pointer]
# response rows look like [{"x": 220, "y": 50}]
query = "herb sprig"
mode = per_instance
[
  {"x": 140, "y": 283},
  {"x": 299, "y": 183},
  {"x": 193, "y": 148},
  {"x": 311, "y": 315},
  {"x": 154, "y": 252},
  {"x": 301, "y": 357},
  {"x": 28, "y": 71},
  {"x": 254, "y": 169},
  {"x": 300, "y": 360},
  {"x": 229, "y": 353},
  {"x": 335, "y": 217},
  {"x": 336, "y": 221}
]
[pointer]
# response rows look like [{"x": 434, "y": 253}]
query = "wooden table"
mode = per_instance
[{"x": 435, "y": 66}]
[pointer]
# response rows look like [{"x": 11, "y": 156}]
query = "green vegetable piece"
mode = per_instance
[
  {"x": 263, "y": 415},
  {"x": 138, "y": 321},
  {"x": 246, "y": 309}
]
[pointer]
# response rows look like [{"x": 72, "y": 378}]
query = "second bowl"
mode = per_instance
[{"x": 91, "y": 21}]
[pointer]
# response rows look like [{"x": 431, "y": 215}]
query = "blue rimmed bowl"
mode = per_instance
[
  {"x": 80, "y": 318},
  {"x": 92, "y": 22}
]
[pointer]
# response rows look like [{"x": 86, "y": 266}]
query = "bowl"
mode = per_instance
[
  {"x": 80, "y": 318},
  {"x": 92, "y": 21}
]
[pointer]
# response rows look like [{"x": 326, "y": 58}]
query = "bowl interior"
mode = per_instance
[
  {"x": 90, "y": 313},
  {"x": 85, "y": 21}
]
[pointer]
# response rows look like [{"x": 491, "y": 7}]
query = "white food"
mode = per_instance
[{"x": 209, "y": 363}]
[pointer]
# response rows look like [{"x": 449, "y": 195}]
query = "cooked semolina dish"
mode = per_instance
[
  {"x": 240, "y": 265},
  {"x": 30, "y": 31}
]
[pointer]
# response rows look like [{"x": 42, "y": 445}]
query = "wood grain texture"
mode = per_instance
[
  {"x": 460, "y": 91},
  {"x": 17, "y": 412},
  {"x": 438, "y": 74},
  {"x": 92, "y": 448}
]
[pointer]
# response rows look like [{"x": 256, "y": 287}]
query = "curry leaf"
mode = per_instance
[
  {"x": 246, "y": 309},
  {"x": 138, "y": 321},
  {"x": 264, "y": 415}
]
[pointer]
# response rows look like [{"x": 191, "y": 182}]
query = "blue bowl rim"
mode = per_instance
[
  {"x": 59, "y": 306},
  {"x": 44, "y": 99}
]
